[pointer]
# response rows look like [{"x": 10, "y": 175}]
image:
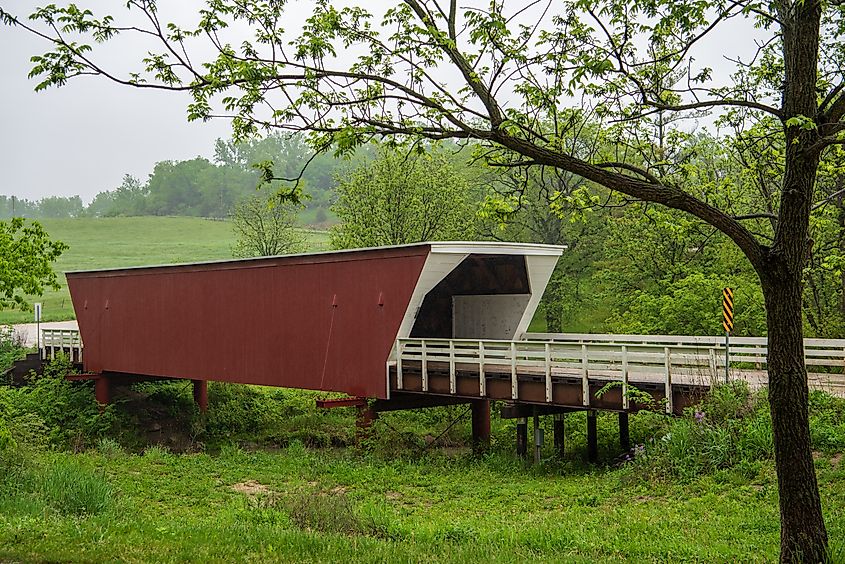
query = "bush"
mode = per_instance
[
  {"x": 730, "y": 428},
  {"x": 827, "y": 422},
  {"x": 11, "y": 347},
  {"x": 67, "y": 410}
]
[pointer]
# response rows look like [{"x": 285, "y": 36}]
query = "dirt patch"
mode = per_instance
[
  {"x": 836, "y": 459},
  {"x": 251, "y": 488}
]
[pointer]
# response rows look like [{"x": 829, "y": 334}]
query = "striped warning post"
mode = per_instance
[{"x": 728, "y": 309}]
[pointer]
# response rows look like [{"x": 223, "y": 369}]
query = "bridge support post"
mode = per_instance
[
  {"x": 538, "y": 439},
  {"x": 102, "y": 391},
  {"x": 624, "y": 434},
  {"x": 201, "y": 394},
  {"x": 558, "y": 430},
  {"x": 592, "y": 437},
  {"x": 522, "y": 437},
  {"x": 480, "y": 425},
  {"x": 364, "y": 421}
]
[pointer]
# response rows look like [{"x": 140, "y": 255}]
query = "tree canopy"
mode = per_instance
[
  {"x": 401, "y": 198},
  {"x": 26, "y": 257}
]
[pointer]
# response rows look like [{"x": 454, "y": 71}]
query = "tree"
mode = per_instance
[
  {"x": 26, "y": 254},
  {"x": 60, "y": 206},
  {"x": 515, "y": 69},
  {"x": 264, "y": 228},
  {"x": 401, "y": 198}
]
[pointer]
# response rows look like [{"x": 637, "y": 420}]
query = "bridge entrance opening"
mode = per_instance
[{"x": 484, "y": 297}]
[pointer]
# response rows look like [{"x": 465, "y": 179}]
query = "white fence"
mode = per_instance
[{"x": 643, "y": 358}]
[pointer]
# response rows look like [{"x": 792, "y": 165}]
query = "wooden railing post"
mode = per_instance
[
  {"x": 667, "y": 368},
  {"x": 452, "y": 375},
  {"x": 624, "y": 377},
  {"x": 400, "y": 383},
  {"x": 424, "y": 365},
  {"x": 482, "y": 379},
  {"x": 548, "y": 373},
  {"x": 514, "y": 380},
  {"x": 585, "y": 375}
]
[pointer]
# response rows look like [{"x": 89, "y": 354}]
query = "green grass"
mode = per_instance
[
  {"x": 330, "y": 505},
  {"x": 132, "y": 241}
]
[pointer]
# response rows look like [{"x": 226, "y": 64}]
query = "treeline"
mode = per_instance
[
  {"x": 203, "y": 188},
  {"x": 629, "y": 266},
  {"x": 49, "y": 207}
]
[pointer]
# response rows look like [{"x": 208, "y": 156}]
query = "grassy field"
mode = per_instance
[
  {"x": 301, "y": 505},
  {"x": 260, "y": 478},
  {"x": 132, "y": 241}
]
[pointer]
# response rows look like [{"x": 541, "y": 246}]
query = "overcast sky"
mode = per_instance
[{"x": 83, "y": 138}]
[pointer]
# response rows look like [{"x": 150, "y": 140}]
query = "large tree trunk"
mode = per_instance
[{"x": 803, "y": 534}]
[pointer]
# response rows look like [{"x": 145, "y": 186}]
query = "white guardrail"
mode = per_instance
[
  {"x": 67, "y": 341},
  {"x": 644, "y": 358}
]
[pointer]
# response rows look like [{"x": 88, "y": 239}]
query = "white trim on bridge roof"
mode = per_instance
[{"x": 496, "y": 248}]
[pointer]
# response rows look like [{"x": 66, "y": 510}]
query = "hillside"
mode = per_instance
[{"x": 132, "y": 241}]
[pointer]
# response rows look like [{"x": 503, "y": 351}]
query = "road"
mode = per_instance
[{"x": 28, "y": 330}]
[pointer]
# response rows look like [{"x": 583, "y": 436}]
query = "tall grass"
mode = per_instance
[{"x": 72, "y": 489}]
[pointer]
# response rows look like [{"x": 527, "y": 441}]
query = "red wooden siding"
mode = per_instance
[{"x": 323, "y": 322}]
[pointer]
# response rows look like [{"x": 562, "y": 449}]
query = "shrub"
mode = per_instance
[
  {"x": 11, "y": 347},
  {"x": 68, "y": 411},
  {"x": 731, "y": 427}
]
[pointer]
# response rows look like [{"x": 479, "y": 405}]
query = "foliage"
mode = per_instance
[
  {"x": 11, "y": 347},
  {"x": 47, "y": 207},
  {"x": 26, "y": 256},
  {"x": 265, "y": 228},
  {"x": 402, "y": 198},
  {"x": 66, "y": 410}
]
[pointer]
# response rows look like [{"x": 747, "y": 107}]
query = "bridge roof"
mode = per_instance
[{"x": 434, "y": 247}]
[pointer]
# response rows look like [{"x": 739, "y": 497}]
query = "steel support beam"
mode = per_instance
[
  {"x": 592, "y": 437},
  {"x": 102, "y": 391},
  {"x": 522, "y": 437},
  {"x": 624, "y": 434},
  {"x": 559, "y": 429},
  {"x": 480, "y": 425},
  {"x": 364, "y": 421}
]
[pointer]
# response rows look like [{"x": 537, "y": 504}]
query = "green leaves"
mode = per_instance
[
  {"x": 402, "y": 197},
  {"x": 802, "y": 122},
  {"x": 26, "y": 254}
]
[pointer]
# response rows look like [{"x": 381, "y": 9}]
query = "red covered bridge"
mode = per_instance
[{"x": 406, "y": 326}]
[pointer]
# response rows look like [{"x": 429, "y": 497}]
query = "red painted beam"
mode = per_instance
[{"x": 341, "y": 402}]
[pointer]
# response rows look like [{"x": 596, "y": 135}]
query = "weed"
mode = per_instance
[
  {"x": 72, "y": 489},
  {"x": 157, "y": 453},
  {"x": 109, "y": 447},
  {"x": 334, "y": 512}
]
